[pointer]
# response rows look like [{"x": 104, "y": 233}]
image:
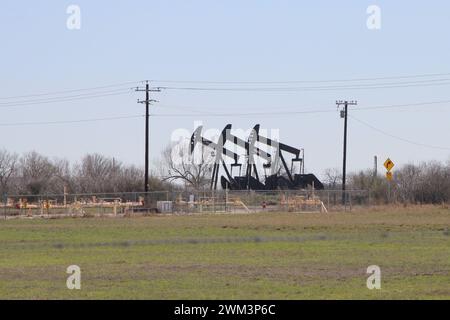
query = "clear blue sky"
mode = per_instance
[{"x": 226, "y": 41}]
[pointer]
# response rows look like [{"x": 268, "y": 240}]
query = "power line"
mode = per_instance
[
  {"x": 307, "y": 81},
  {"x": 282, "y": 112},
  {"x": 70, "y": 90},
  {"x": 65, "y": 99},
  {"x": 397, "y": 137},
  {"x": 66, "y": 96},
  {"x": 317, "y": 88},
  {"x": 315, "y": 111},
  {"x": 414, "y": 104},
  {"x": 238, "y": 82},
  {"x": 251, "y": 114},
  {"x": 69, "y": 121}
]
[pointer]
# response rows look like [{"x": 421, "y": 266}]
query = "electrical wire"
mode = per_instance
[
  {"x": 318, "y": 88},
  {"x": 251, "y": 114},
  {"x": 95, "y": 93},
  {"x": 71, "y": 90},
  {"x": 306, "y": 81},
  {"x": 397, "y": 137},
  {"x": 414, "y": 104},
  {"x": 244, "y": 82},
  {"x": 69, "y": 121},
  {"x": 64, "y": 99},
  {"x": 66, "y": 96},
  {"x": 283, "y": 112}
]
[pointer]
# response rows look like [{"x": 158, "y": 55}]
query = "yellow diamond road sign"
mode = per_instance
[
  {"x": 389, "y": 175},
  {"x": 388, "y": 164}
]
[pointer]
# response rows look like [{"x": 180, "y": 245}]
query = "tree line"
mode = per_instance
[
  {"x": 32, "y": 173},
  {"x": 426, "y": 182}
]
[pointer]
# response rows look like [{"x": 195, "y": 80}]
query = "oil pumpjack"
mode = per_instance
[{"x": 274, "y": 179}]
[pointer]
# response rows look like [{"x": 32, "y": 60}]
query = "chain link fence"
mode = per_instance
[{"x": 180, "y": 202}]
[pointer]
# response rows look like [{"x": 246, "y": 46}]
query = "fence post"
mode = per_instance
[
  {"x": 5, "y": 202},
  {"x": 226, "y": 200},
  {"x": 41, "y": 206},
  {"x": 343, "y": 195},
  {"x": 214, "y": 200},
  {"x": 350, "y": 199},
  {"x": 328, "y": 199}
]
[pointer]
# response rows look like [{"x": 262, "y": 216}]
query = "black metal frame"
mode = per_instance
[{"x": 293, "y": 181}]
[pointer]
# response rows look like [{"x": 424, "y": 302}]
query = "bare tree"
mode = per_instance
[
  {"x": 407, "y": 182},
  {"x": 333, "y": 177},
  {"x": 63, "y": 176},
  {"x": 131, "y": 178},
  {"x": 435, "y": 183},
  {"x": 36, "y": 173},
  {"x": 8, "y": 165},
  {"x": 99, "y": 174},
  {"x": 95, "y": 173},
  {"x": 376, "y": 185},
  {"x": 178, "y": 164}
]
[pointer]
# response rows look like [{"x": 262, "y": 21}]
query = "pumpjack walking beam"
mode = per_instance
[
  {"x": 280, "y": 148},
  {"x": 250, "y": 149},
  {"x": 219, "y": 149}
]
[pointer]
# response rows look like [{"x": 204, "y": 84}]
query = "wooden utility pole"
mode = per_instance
[
  {"x": 147, "y": 102},
  {"x": 375, "y": 166},
  {"x": 344, "y": 114}
]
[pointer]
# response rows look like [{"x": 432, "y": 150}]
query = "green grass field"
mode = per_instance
[{"x": 258, "y": 256}]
